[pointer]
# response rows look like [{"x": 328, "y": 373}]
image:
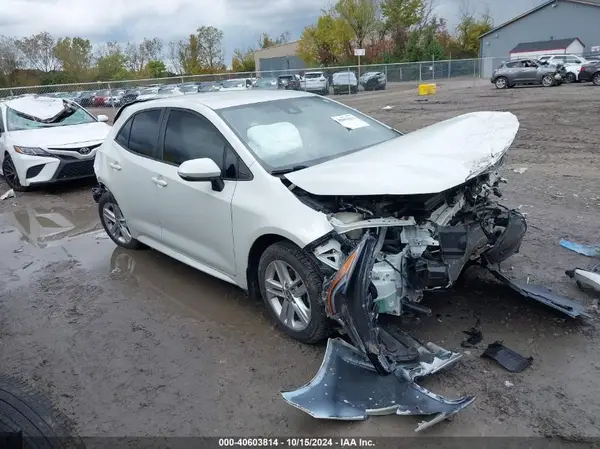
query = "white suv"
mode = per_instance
[
  {"x": 572, "y": 64},
  {"x": 316, "y": 82}
]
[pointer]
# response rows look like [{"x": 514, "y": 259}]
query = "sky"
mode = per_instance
[{"x": 242, "y": 21}]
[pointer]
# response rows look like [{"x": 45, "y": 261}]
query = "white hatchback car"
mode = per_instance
[
  {"x": 272, "y": 190},
  {"x": 45, "y": 140}
]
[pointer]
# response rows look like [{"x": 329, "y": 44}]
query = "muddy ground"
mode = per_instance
[{"x": 134, "y": 343}]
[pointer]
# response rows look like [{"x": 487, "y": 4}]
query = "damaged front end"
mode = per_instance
[{"x": 385, "y": 253}]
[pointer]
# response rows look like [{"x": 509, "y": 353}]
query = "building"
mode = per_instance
[
  {"x": 552, "y": 20},
  {"x": 278, "y": 58},
  {"x": 571, "y": 46}
]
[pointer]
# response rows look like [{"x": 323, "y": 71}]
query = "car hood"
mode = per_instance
[
  {"x": 430, "y": 160},
  {"x": 61, "y": 135}
]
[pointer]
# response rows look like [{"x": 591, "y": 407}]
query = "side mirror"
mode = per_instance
[
  {"x": 102, "y": 118},
  {"x": 202, "y": 170}
]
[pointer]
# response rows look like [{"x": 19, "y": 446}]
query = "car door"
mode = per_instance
[
  {"x": 132, "y": 162},
  {"x": 529, "y": 71},
  {"x": 195, "y": 218}
]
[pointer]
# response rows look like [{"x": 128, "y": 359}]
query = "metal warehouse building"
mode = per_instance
[
  {"x": 553, "y": 20},
  {"x": 278, "y": 58}
]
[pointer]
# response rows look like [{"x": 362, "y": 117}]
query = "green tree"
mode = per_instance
[
  {"x": 413, "y": 47},
  {"x": 75, "y": 57},
  {"x": 361, "y": 16},
  {"x": 326, "y": 43},
  {"x": 138, "y": 55},
  {"x": 243, "y": 61},
  {"x": 38, "y": 51},
  {"x": 267, "y": 41},
  {"x": 469, "y": 29},
  {"x": 399, "y": 18},
  {"x": 111, "y": 63},
  {"x": 210, "y": 48},
  {"x": 189, "y": 55},
  {"x": 156, "y": 68}
]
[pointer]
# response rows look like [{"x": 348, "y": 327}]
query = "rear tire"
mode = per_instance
[
  {"x": 571, "y": 78},
  {"x": 25, "y": 411},
  {"x": 297, "y": 266},
  {"x": 596, "y": 79},
  {"x": 114, "y": 223}
]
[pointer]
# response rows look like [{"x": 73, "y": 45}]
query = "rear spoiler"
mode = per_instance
[{"x": 122, "y": 108}]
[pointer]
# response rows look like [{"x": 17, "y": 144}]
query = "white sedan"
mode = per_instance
[
  {"x": 45, "y": 140},
  {"x": 273, "y": 190}
]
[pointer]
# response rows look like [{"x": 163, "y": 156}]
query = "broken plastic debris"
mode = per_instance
[
  {"x": 585, "y": 279},
  {"x": 387, "y": 108},
  {"x": 475, "y": 336},
  {"x": 347, "y": 387},
  {"x": 586, "y": 250},
  {"x": 506, "y": 357},
  {"x": 520, "y": 170},
  {"x": 8, "y": 194},
  {"x": 542, "y": 294},
  {"x": 508, "y": 384}
]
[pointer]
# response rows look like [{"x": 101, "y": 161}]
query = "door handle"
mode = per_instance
[
  {"x": 115, "y": 166},
  {"x": 159, "y": 182}
]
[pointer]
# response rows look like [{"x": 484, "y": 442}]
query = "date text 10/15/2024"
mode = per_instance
[{"x": 296, "y": 442}]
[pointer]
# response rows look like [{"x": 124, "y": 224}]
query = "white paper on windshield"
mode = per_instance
[{"x": 349, "y": 121}]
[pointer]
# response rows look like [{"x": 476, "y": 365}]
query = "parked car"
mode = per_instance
[
  {"x": 590, "y": 71},
  {"x": 209, "y": 86},
  {"x": 278, "y": 187},
  {"x": 373, "y": 81},
  {"x": 527, "y": 71},
  {"x": 168, "y": 90},
  {"x": 100, "y": 98},
  {"x": 115, "y": 98},
  {"x": 236, "y": 84},
  {"x": 345, "y": 82},
  {"x": 266, "y": 83},
  {"x": 316, "y": 82},
  {"x": 563, "y": 59},
  {"x": 47, "y": 140},
  {"x": 130, "y": 95},
  {"x": 85, "y": 98},
  {"x": 147, "y": 94},
  {"x": 189, "y": 88},
  {"x": 290, "y": 82}
]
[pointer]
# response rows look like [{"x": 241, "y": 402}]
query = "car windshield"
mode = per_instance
[
  {"x": 151, "y": 91},
  {"x": 189, "y": 88},
  {"x": 267, "y": 82},
  {"x": 17, "y": 121},
  {"x": 285, "y": 134},
  {"x": 344, "y": 76},
  {"x": 234, "y": 83},
  {"x": 313, "y": 75}
]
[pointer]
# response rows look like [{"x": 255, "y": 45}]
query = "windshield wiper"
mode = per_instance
[{"x": 283, "y": 171}]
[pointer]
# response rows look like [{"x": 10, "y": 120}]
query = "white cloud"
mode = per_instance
[{"x": 242, "y": 21}]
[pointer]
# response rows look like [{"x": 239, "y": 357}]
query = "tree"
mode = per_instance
[
  {"x": 138, "y": 55},
  {"x": 189, "y": 55},
  {"x": 38, "y": 51},
  {"x": 266, "y": 41},
  {"x": 470, "y": 28},
  {"x": 75, "y": 56},
  {"x": 10, "y": 60},
  {"x": 210, "y": 48},
  {"x": 111, "y": 62},
  {"x": 361, "y": 17},
  {"x": 156, "y": 68},
  {"x": 326, "y": 43},
  {"x": 243, "y": 61},
  {"x": 173, "y": 56},
  {"x": 399, "y": 18}
]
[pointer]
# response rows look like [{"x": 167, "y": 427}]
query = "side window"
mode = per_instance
[
  {"x": 512, "y": 65},
  {"x": 234, "y": 168},
  {"x": 572, "y": 59},
  {"x": 123, "y": 135},
  {"x": 143, "y": 135},
  {"x": 188, "y": 136}
]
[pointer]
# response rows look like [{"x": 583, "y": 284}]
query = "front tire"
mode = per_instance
[
  {"x": 596, "y": 79},
  {"x": 291, "y": 285},
  {"x": 547, "y": 81},
  {"x": 501, "y": 82},
  {"x": 114, "y": 223},
  {"x": 11, "y": 176}
]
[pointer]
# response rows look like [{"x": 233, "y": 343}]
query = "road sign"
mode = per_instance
[{"x": 359, "y": 52}]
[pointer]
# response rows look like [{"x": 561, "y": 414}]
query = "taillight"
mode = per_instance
[{"x": 582, "y": 69}]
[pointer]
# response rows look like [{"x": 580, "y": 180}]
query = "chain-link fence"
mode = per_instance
[{"x": 346, "y": 79}]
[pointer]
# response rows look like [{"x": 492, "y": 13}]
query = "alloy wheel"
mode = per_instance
[
  {"x": 115, "y": 223},
  {"x": 501, "y": 83},
  {"x": 287, "y": 295},
  {"x": 10, "y": 173},
  {"x": 547, "y": 81}
]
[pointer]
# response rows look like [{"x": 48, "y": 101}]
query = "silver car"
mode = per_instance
[{"x": 528, "y": 71}]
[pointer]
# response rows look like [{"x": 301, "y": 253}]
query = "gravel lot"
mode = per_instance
[{"x": 134, "y": 343}]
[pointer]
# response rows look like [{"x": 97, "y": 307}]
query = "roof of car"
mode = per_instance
[{"x": 220, "y": 100}]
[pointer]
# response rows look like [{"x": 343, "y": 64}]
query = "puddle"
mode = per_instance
[
  {"x": 42, "y": 227},
  {"x": 193, "y": 293}
]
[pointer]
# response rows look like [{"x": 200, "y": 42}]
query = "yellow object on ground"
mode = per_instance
[{"x": 427, "y": 89}]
